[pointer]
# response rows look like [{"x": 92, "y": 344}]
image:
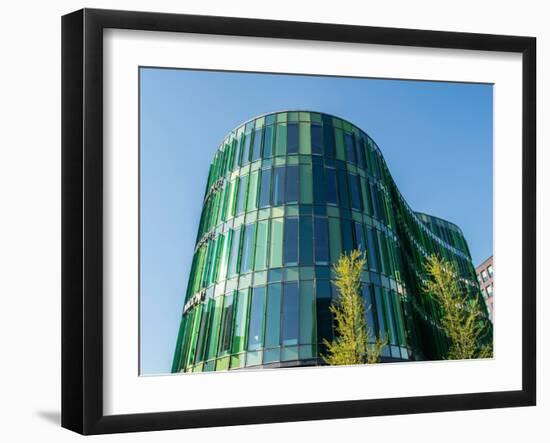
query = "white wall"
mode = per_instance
[{"x": 30, "y": 217}]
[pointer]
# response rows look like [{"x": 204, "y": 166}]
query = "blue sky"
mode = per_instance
[{"x": 436, "y": 138}]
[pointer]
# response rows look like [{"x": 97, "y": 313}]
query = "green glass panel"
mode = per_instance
[
  {"x": 335, "y": 240},
  {"x": 214, "y": 329},
  {"x": 307, "y": 311},
  {"x": 254, "y": 358},
  {"x": 276, "y": 243},
  {"x": 256, "y": 327},
  {"x": 306, "y": 185},
  {"x": 386, "y": 295},
  {"x": 231, "y": 199},
  {"x": 239, "y": 330},
  {"x": 340, "y": 149},
  {"x": 226, "y": 324},
  {"x": 222, "y": 364},
  {"x": 261, "y": 245},
  {"x": 280, "y": 141},
  {"x": 273, "y": 316},
  {"x": 203, "y": 330},
  {"x": 305, "y": 138},
  {"x": 306, "y": 241},
  {"x": 252, "y": 202}
]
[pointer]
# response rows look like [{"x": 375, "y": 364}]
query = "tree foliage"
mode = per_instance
[
  {"x": 462, "y": 318},
  {"x": 351, "y": 344}
]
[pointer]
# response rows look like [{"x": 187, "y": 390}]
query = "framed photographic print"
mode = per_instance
[{"x": 269, "y": 221}]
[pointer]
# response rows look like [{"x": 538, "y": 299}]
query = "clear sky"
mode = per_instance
[{"x": 436, "y": 138}]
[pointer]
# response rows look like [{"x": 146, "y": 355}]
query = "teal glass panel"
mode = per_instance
[
  {"x": 240, "y": 322},
  {"x": 306, "y": 184},
  {"x": 241, "y": 199},
  {"x": 335, "y": 239},
  {"x": 255, "y": 332},
  {"x": 292, "y": 188},
  {"x": 276, "y": 243},
  {"x": 257, "y": 145},
  {"x": 306, "y": 241},
  {"x": 248, "y": 248},
  {"x": 273, "y": 315},
  {"x": 289, "y": 332},
  {"x": 292, "y": 138},
  {"x": 260, "y": 261},
  {"x": 265, "y": 188},
  {"x": 278, "y": 185},
  {"x": 305, "y": 138},
  {"x": 268, "y": 141},
  {"x": 308, "y": 333},
  {"x": 252, "y": 200},
  {"x": 234, "y": 256},
  {"x": 280, "y": 140},
  {"x": 291, "y": 241}
]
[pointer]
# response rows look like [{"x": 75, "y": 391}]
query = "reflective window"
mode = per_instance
[
  {"x": 290, "y": 314},
  {"x": 273, "y": 316},
  {"x": 227, "y": 319},
  {"x": 237, "y": 158},
  {"x": 276, "y": 243},
  {"x": 292, "y": 138},
  {"x": 332, "y": 189},
  {"x": 369, "y": 311},
  {"x": 292, "y": 184},
  {"x": 246, "y": 148},
  {"x": 261, "y": 245},
  {"x": 252, "y": 198},
  {"x": 316, "y": 139},
  {"x": 360, "y": 150},
  {"x": 319, "y": 187},
  {"x": 291, "y": 241},
  {"x": 484, "y": 275},
  {"x": 335, "y": 240},
  {"x": 280, "y": 141},
  {"x": 308, "y": 334},
  {"x": 306, "y": 184},
  {"x": 355, "y": 192},
  {"x": 350, "y": 148},
  {"x": 257, "y": 145},
  {"x": 214, "y": 329},
  {"x": 380, "y": 312},
  {"x": 239, "y": 330},
  {"x": 201, "y": 341},
  {"x": 328, "y": 139},
  {"x": 321, "y": 240},
  {"x": 372, "y": 249},
  {"x": 234, "y": 258},
  {"x": 241, "y": 199},
  {"x": 268, "y": 142},
  {"x": 255, "y": 332},
  {"x": 248, "y": 248},
  {"x": 490, "y": 270},
  {"x": 489, "y": 290},
  {"x": 343, "y": 194},
  {"x": 278, "y": 183},
  {"x": 324, "y": 316},
  {"x": 265, "y": 187},
  {"x": 359, "y": 237},
  {"x": 347, "y": 235},
  {"x": 306, "y": 241}
]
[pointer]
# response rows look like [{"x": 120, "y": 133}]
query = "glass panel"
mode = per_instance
[
  {"x": 201, "y": 341},
  {"x": 305, "y": 139},
  {"x": 347, "y": 235},
  {"x": 265, "y": 188},
  {"x": 280, "y": 143},
  {"x": 255, "y": 333},
  {"x": 292, "y": 188},
  {"x": 257, "y": 146},
  {"x": 261, "y": 245},
  {"x": 252, "y": 200},
  {"x": 291, "y": 241},
  {"x": 239, "y": 330},
  {"x": 234, "y": 258},
  {"x": 308, "y": 334},
  {"x": 248, "y": 248},
  {"x": 319, "y": 185},
  {"x": 237, "y": 158},
  {"x": 321, "y": 240},
  {"x": 372, "y": 250},
  {"x": 380, "y": 312},
  {"x": 306, "y": 185},
  {"x": 343, "y": 194},
  {"x": 317, "y": 139},
  {"x": 355, "y": 192},
  {"x": 359, "y": 237},
  {"x": 276, "y": 246},
  {"x": 360, "y": 152},
  {"x": 350, "y": 148},
  {"x": 306, "y": 241},
  {"x": 227, "y": 320},
  {"x": 332, "y": 189},
  {"x": 324, "y": 316},
  {"x": 273, "y": 316},
  {"x": 335, "y": 239},
  {"x": 292, "y": 138},
  {"x": 278, "y": 182},
  {"x": 339, "y": 139},
  {"x": 214, "y": 329},
  {"x": 290, "y": 314},
  {"x": 328, "y": 139},
  {"x": 246, "y": 150},
  {"x": 389, "y": 315},
  {"x": 369, "y": 311},
  {"x": 243, "y": 182},
  {"x": 268, "y": 142}
]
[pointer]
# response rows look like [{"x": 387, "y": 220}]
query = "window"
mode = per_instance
[
  {"x": 248, "y": 248},
  {"x": 278, "y": 183},
  {"x": 343, "y": 194},
  {"x": 255, "y": 333},
  {"x": 241, "y": 199},
  {"x": 246, "y": 148},
  {"x": 291, "y": 241},
  {"x": 257, "y": 145},
  {"x": 306, "y": 241},
  {"x": 292, "y": 138},
  {"x": 324, "y": 316},
  {"x": 355, "y": 192},
  {"x": 321, "y": 240},
  {"x": 280, "y": 143},
  {"x": 273, "y": 316},
  {"x": 265, "y": 188},
  {"x": 306, "y": 185},
  {"x": 227, "y": 319},
  {"x": 332, "y": 189},
  {"x": 234, "y": 257},
  {"x": 307, "y": 313},
  {"x": 268, "y": 142},
  {"x": 380, "y": 312},
  {"x": 316, "y": 139},
  {"x": 328, "y": 138},
  {"x": 360, "y": 150},
  {"x": 290, "y": 314},
  {"x": 490, "y": 270},
  {"x": 261, "y": 245},
  {"x": 350, "y": 148},
  {"x": 369, "y": 311},
  {"x": 319, "y": 193},
  {"x": 252, "y": 199},
  {"x": 489, "y": 290},
  {"x": 276, "y": 243},
  {"x": 335, "y": 240},
  {"x": 214, "y": 329},
  {"x": 359, "y": 237},
  {"x": 292, "y": 184},
  {"x": 237, "y": 158},
  {"x": 372, "y": 246},
  {"x": 239, "y": 330},
  {"x": 347, "y": 235},
  {"x": 484, "y": 275}
]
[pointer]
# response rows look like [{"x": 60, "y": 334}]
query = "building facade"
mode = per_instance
[
  {"x": 485, "y": 277},
  {"x": 287, "y": 194}
]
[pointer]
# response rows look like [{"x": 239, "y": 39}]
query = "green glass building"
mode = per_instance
[{"x": 287, "y": 194}]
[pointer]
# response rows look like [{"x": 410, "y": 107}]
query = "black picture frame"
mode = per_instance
[{"x": 82, "y": 218}]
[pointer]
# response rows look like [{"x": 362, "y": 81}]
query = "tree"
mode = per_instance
[
  {"x": 462, "y": 318},
  {"x": 351, "y": 345}
]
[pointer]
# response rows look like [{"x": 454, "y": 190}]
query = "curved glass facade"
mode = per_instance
[{"x": 287, "y": 194}]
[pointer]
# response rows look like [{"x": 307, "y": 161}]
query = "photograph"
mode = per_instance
[{"x": 291, "y": 221}]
